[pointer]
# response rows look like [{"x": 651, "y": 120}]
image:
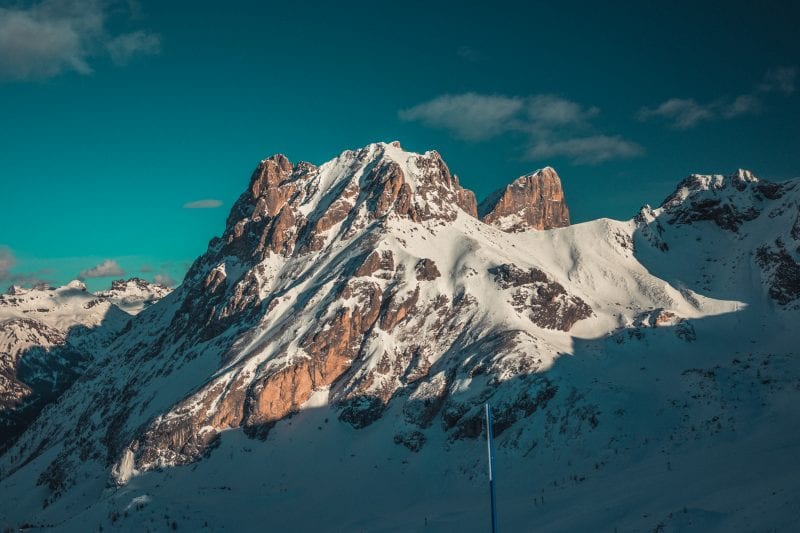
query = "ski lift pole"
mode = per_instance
[{"x": 490, "y": 452}]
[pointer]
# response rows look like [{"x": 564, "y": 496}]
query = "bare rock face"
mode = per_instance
[
  {"x": 426, "y": 270},
  {"x": 285, "y": 211},
  {"x": 782, "y": 272},
  {"x": 376, "y": 261},
  {"x": 535, "y": 201},
  {"x": 546, "y": 302}
]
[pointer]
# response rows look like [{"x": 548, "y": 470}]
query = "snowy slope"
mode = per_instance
[
  {"x": 333, "y": 348},
  {"x": 134, "y": 294},
  {"x": 48, "y": 336}
]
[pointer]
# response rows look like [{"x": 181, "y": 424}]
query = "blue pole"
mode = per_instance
[{"x": 490, "y": 451}]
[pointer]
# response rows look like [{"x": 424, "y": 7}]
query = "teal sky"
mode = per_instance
[{"x": 114, "y": 115}]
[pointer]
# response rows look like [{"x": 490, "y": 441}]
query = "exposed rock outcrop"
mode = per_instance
[
  {"x": 706, "y": 198},
  {"x": 545, "y": 301},
  {"x": 532, "y": 202}
]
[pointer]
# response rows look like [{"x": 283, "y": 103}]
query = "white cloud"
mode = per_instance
[
  {"x": 51, "y": 37},
  {"x": 209, "y": 203},
  {"x": 471, "y": 55},
  {"x": 779, "y": 80},
  {"x": 123, "y": 47},
  {"x": 744, "y": 104},
  {"x": 682, "y": 113},
  {"x": 164, "y": 279},
  {"x": 547, "y": 109},
  {"x": 27, "y": 279},
  {"x": 589, "y": 150},
  {"x": 685, "y": 113},
  {"x": 551, "y": 125},
  {"x": 106, "y": 269},
  {"x": 470, "y": 116},
  {"x": 7, "y": 261}
]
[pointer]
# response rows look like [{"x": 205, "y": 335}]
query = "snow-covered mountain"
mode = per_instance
[
  {"x": 48, "y": 336},
  {"x": 324, "y": 365},
  {"x": 134, "y": 294}
]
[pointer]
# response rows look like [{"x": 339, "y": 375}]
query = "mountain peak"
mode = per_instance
[
  {"x": 533, "y": 201},
  {"x": 76, "y": 284},
  {"x": 728, "y": 201},
  {"x": 300, "y": 207},
  {"x": 134, "y": 294},
  {"x": 744, "y": 176}
]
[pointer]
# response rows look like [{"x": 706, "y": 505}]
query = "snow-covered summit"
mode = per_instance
[
  {"x": 728, "y": 201},
  {"x": 134, "y": 294}
]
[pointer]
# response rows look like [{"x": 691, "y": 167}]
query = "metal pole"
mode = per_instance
[{"x": 490, "y": 451}]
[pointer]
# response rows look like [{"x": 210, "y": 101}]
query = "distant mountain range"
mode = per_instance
[
  {"x": 48, "y": 337},
  {"x": 324, "y": 365}
]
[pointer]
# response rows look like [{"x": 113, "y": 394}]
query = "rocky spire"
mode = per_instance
[
  {"x": 289, "y": 209},
  {"x": 534, "y": 201}
]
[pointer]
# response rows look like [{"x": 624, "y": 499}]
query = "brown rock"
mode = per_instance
[
  {"x": 280, "y": 236},
  {"x": 535, "y": 201},
  {"x": 397, "y": 311},
  {"x": 466, "y": 199},
  {"x": 376, "y": 261},
  {"x": 426, "y": 270},
  {"x": 546, "y": 301},
  {"x": 270, "y": 173},
  {"x": 275, "y": 198}
]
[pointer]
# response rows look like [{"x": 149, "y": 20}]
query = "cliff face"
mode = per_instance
[{"x": 532, "y": 202}]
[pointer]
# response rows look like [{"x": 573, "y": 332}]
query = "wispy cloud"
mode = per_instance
[
  {"x": 551, "y": 125},
  {"x": 683, "y": 113},
  {"x": 47, "y": 38},
  {"x": 209, "y": 203},
  {"x": 106, "y": 269},
  {"x": 470, "y": 116},
  {"x": 124, "y": 47},
  {"x": 164, "y": 279},
  {"x": 28, "y": 279},
  {"x": 779, "y": 80},
  {"x": 7, "y": 261},
  {"x": 470, "y": 54},
  {"x": 587, "y": 150},
  {"x": 686, "y": 113}
]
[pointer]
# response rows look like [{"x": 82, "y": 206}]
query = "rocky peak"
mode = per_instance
[
  {"x": 135, "y": 283},
  {"x": 134, "y": 294},
  {"x": 743, "y": 176},
  {"x": 534, "y": 201},
  {"x": 728, "y": 201},
  {"x": 293, "y": 209},
  {"x": 697, "y": 183}
]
